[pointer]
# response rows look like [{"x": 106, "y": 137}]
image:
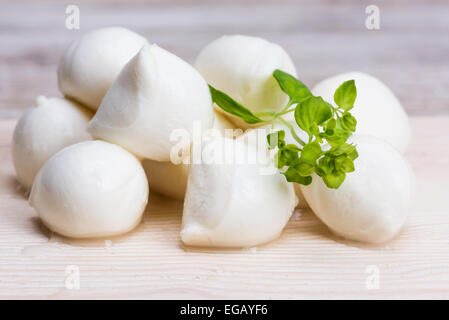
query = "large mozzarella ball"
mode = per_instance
[
  {"x": 234, "y": 203},
  {"x": 90, "y": 65},
  {"x": 258, "y": 136},
  {"x": 90, "y": 189},
  {"x": 50, "y": 125},
  {"x": 373, "y": 202},
  {"x": 377, "y": 110},
  {"x": 155, "y": 94},
  {"x": 242, "y": 67},
  {"x": 170, "y": 179}
]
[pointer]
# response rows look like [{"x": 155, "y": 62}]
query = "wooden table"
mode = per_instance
[
  {"x": 409, "y": 53},
  {"x": 306, "y": 262}
]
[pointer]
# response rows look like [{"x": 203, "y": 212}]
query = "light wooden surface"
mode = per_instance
[
  {"x": 410, "y": 52},
  {"x": 306, "y": 262}
]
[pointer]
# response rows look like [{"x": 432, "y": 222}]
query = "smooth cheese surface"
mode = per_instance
[
  {"x": 48, "y": 126},
  {"x": 373, "y": 203},
  {"x": 90, "y": 189},
  {"x": 155, "y": 94}
]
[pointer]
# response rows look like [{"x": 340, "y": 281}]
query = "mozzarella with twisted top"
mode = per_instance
[
  {"x": 155, "y": 93},
  {"x": 234, "y": 203}
]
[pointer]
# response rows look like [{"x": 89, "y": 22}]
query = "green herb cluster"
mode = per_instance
[{"x": 319, "y": 119}]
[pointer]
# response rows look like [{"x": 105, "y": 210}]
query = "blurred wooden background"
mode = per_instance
[{"x": 410, "y": 52}]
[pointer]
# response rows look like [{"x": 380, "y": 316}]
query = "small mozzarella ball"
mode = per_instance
[
  {"x": 90, "y": 189},
  {"x": 242, "y": 67},
  {"x": 223, "y": 125},
  {"x": 377, "y": 110},
  {"x": 50, "y": 125},
  {"x": 155, "y": 93},
  {"x": 90, "y": 64},
  {"x": 234, "y": 203},
  {"x": 252, "y": 136},
  {"x": 171, "y": 179},
  {"x": 167, "y": 178},
  {"x": 374, "y": 201}
]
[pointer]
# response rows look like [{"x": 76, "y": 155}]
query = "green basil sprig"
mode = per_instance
[{"x": 320, "y": 120}]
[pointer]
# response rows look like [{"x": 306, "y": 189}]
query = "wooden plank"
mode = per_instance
[
  {"x": 306, "y": 262},
  {"x": 409, "y": 52}
]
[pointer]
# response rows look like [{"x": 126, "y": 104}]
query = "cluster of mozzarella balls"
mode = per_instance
[{"x": 92, "y": 156}]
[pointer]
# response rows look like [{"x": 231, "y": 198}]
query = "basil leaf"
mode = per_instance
[
  {"x": 325, "y": 166},
  {"x": 311, "y": 152},
  {"x": 345, "y": 149},
  {"x": 275, "y": 138},
  {"x": 338, "y": 137},
  {"x": 331, "y": 124},
  {"x": 292, "y": 175},
  {"x": 292, "y": 147},
  {"x": 344, "y": 164},
  {"x": 353, "y": 155},
  {"x": 334, "y": 179},
  {"x": 295, "y": 89},
  {"x": 348, "y": 122},
  {"x": 280, "y": 160},
  {"x": 304, "y": 168},
  {"x": 288, "y": 156},
  {"x": 345, "y": 95},
  {"x": 231, "y": 106},
  {"x": 313, "y": 110}
]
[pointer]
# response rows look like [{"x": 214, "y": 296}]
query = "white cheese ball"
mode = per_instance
[
  {"x": 170, "y": 179},
  {"x": 377, "y": 110},
  {"x": 90, "y": 64},
  {"x": 222, "y": 124},
  {"x": 254, "y": 137},
  {"x": 90, "y": 189},
  {"x": 233, "y": 204},
  {"x": 242, "y": 67},
  {"x": 50, "y": 125},
  {"x": 167, "y": 178},
  {"x": 155, "y": 93},
  {"x": 374, "y": 201}
]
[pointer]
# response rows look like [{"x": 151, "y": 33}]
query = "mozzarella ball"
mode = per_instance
[
  {"x": 170, "y": 179},
  {"x": 167, "y": 178},
  {"x": 221, "y": 123},
  {"x": 155, "y": 93},
  {"x": 242, "y": 67},
  {"x": 90, "y": 189},
  {"x": 50, "y": 125},
  {"x": 374, "y": 201},
  {"x": 234, "y": 203},
  {"x": 90, "y": 64},
  {"x": 253, "y": 136},
  {"x": 377, "y": 110}
]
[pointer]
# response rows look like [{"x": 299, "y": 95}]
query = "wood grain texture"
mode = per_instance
[
  {"x": 306, "y": 262},
  {"x": 410, "y": 52}
]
